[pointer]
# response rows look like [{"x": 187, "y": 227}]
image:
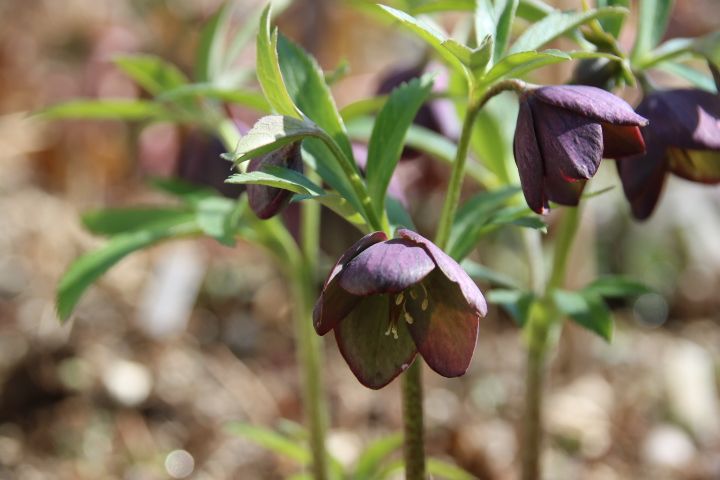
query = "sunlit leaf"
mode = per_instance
[
  {"x": 516, "y": 302},
  {"x": 272, "y": 441},
  {"x": 116, "y": 109},
  {"x": 587, "y": 309},
  {"x": 270, "y": 133},
  {"x": 279, "y": 177},
  {"x": 150, "y": 72},
  {"x": 616, "y": 287},
  {"x": 653, "y": 18},
  {"x": 113, "y": 221},
  {"x": 372, "y": 457},
  {"x": 244, "y": 97}
]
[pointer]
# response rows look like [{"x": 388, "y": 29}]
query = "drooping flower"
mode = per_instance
[
  {"x": 562, "y": 134},
  {"x": 683, "y": 138},
  {"x": 267, "y": 201},
  {"x": 387, "y": 299}
]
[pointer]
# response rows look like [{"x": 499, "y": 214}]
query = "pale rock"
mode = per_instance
[{"x": 667, "y": 446}]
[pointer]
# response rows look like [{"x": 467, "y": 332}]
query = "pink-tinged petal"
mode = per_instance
[
  {"x": 386, "y": 267},
  {"x": 702, "y": 166},
  {"x": 620, "y": 141},
  {"x": 643, "y": 177},
  {"x": 446, "y": 329},
  {"x": 569, "y": 142},
  {"x": 563, "y": 192},
  {"x": 452, "y": 271},
  {"x": 374, "y": 357},
  {"x": 684, "y": 118},
  {"x": 529, "y": 160},
  {"x": 335, "y": 303},
  {"x": 267, "y": 201},
  {"x": 590, "y": 102}
]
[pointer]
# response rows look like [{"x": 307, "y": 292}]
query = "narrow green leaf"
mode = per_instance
[
  {"x": 270, "y": 133},
  {"x": 398, "y": 216},
  {"x": 89, "y": 267},
  {"x": 386, "y": 141},
  {"x": 516, "y": 302},
  {"x": 208, "y": 60},
  {"x": 272, "y": 441},
  {"x": 438, "y": 6},
  {"x": 587, "y": 309},
  {"x": 117, "y": 109},
  {"x": 152, "y": 73},
  {"x": 372, "y": 457},
  {"x": 244, "y": 97},
  {"x": 653, "y": 18},
  {"x": 188, "y": 192},
  {"x": 518, "y": 64},
  {"x": 485, "y": 21},
  {"x": 443, "y": 470},
  {"x": 480, "y": 272},
  {"x": 113, "y": 221},
  {"x": 557, "y": 24},
  {"x": 505, "y": 13},
  {"x": 612, "y": 25},
  {"x": 363, "y": 107},
  {"x": 695, "y": 77},
  {"x": 218, "y": 217},
  {"x": 492, "y": 137},
  {"x": 616, "y": 287},
  {"x": 533, "y": 10},
  {"x": 279, "y": 177},
  {"x": 268, "y": 69}
]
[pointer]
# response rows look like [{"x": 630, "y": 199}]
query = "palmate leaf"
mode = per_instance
[
  {"x": 389, "y": 130},
  {"x": 152, "y": 73},
  {"x": 89, "y": 267},
  {"x": 557, "y": 24}
]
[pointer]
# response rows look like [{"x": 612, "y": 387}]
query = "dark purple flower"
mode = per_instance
[
  {"x": 267, "y": 201},
  {"x": 562, "y": 134},
  {"x": 199, "y": 162},
  {"x": 386, "y": 300},
  {"x": 683, "y": 137}
]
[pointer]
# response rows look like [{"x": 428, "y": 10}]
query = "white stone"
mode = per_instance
[
  {"x": 128, "y": 383},
  {"x": 667, "y": 446}
]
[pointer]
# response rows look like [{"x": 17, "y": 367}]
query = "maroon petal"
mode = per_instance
[
  {"x": 643, "y": 177},
  {"x": 701, "y": 166},
  {"x": 529, "y": 160},
  {"x": 620, "y": 141},
  {"x": 685, "y": 118},
  {"x": 334, "y": 302},
  {"x": 386, "y": 267},
  {"x": 446, "y": 329},
  {"x": 374, "y": 357},
  {"x": 563, "y": 192},
  {"x": 452, "y": 271},
  {"x": 267, "y": 201},
  {"x": 590, "y": 102},
  {"x": 570, "y": 143}
]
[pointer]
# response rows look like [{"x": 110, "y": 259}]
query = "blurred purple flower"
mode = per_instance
[
  {"x": 683, "y": 137},
  {"x": 267, "y": 201},
  {"x": 386, "y": 300},
  {"x": 562, "y": 134}
]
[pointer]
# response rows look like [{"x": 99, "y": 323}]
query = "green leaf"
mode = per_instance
[
  {"x": 386, "y": 140},
  {"x": 612, "y": 25},
  {"x": 188, "y": 192},
  {"x": 653, "y": 18},
  {"x": 89, "y": 267},
  {"x": 117, "y": 109},
  {"x": 492, "y": 137},
  {"x": 208, "y": 60},
  {"x": 441, "y": 469},
  {"x": 218, "y": 217},
  {"x": 517, "y": 215},
  {"x": 587, "y": 309},
  {"x": 521, "y": 63},
  {"x": 557, "y": 24},
  {"x": 480, "y": 272},
  {"x": 113, "y": 221},
  {"x": 246, "y": 98},
  {"x": 272, "y": 441},
  {"x": 443, "y": 6},
  {"x": 279, "y": 177},
  {"x": 305, "y": 83},
  {"x": 268, "y": 69},
  {"x": 372, "y": 457},
  {"x": 485, "y": 22},
  {"x": 516, "y": 302},
  {"x": 270, "y": 133},
  {"x": 505, "y": 13},
  {"x": 152, "y": 73},
  {"x": 362, "y": 107},
  {"x": 533, "y": 10},
  {"x": 431, "y": 35},
  {"x": 397, "y": 215},
  {"x": 695, "y": 77},
  {"x": 616, "y": 287}
]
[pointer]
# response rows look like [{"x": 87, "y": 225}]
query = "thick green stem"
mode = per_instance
[
  {"x": 414, "y": 451},
  {"x": 309, "y": 344},
  {"x": 543, "y": 316}
]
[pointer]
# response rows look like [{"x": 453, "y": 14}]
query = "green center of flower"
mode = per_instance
[{"x": 416, "y": 293}]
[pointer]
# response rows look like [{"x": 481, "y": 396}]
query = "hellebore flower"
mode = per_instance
[
  {"x": 683, "y": 138},
  {"x": 267, "y": 201},
  {"x": 562, "y": 134},
  {"x": 386, "y": 300}
]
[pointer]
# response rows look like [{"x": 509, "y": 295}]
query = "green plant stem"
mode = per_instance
[
  {"x": 543, "y": 317},
  {"x": 309, "y": 344},
  {"x": 414, "y": 451}
]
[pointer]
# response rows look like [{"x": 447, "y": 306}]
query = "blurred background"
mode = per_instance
[{"x": 178, "y": 340}]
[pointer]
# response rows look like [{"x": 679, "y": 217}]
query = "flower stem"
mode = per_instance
[
  {"x": 309, "y": 344},
  {"x": 543, "y": 316},
  {"x": 414, "y": 450}
]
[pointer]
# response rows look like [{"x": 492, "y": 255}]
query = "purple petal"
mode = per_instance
[
  {"x": 571, "y": 144},
  {"x": 590, "y": 102},
  {"x": 529, "y": 160},
  {"x": 563, "y": 192},
  {"x": 452, "y": 271},
  {"x": 446, "y": 329},
  {"x": 334, "y": 302},
  {"x": 620, "y": 141},
  {"x": 267, "y": 201},
  {"x": 386, "y": 267},
  {"x": 684, "y": 118},
  {"x": 374, "y": 357}
]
